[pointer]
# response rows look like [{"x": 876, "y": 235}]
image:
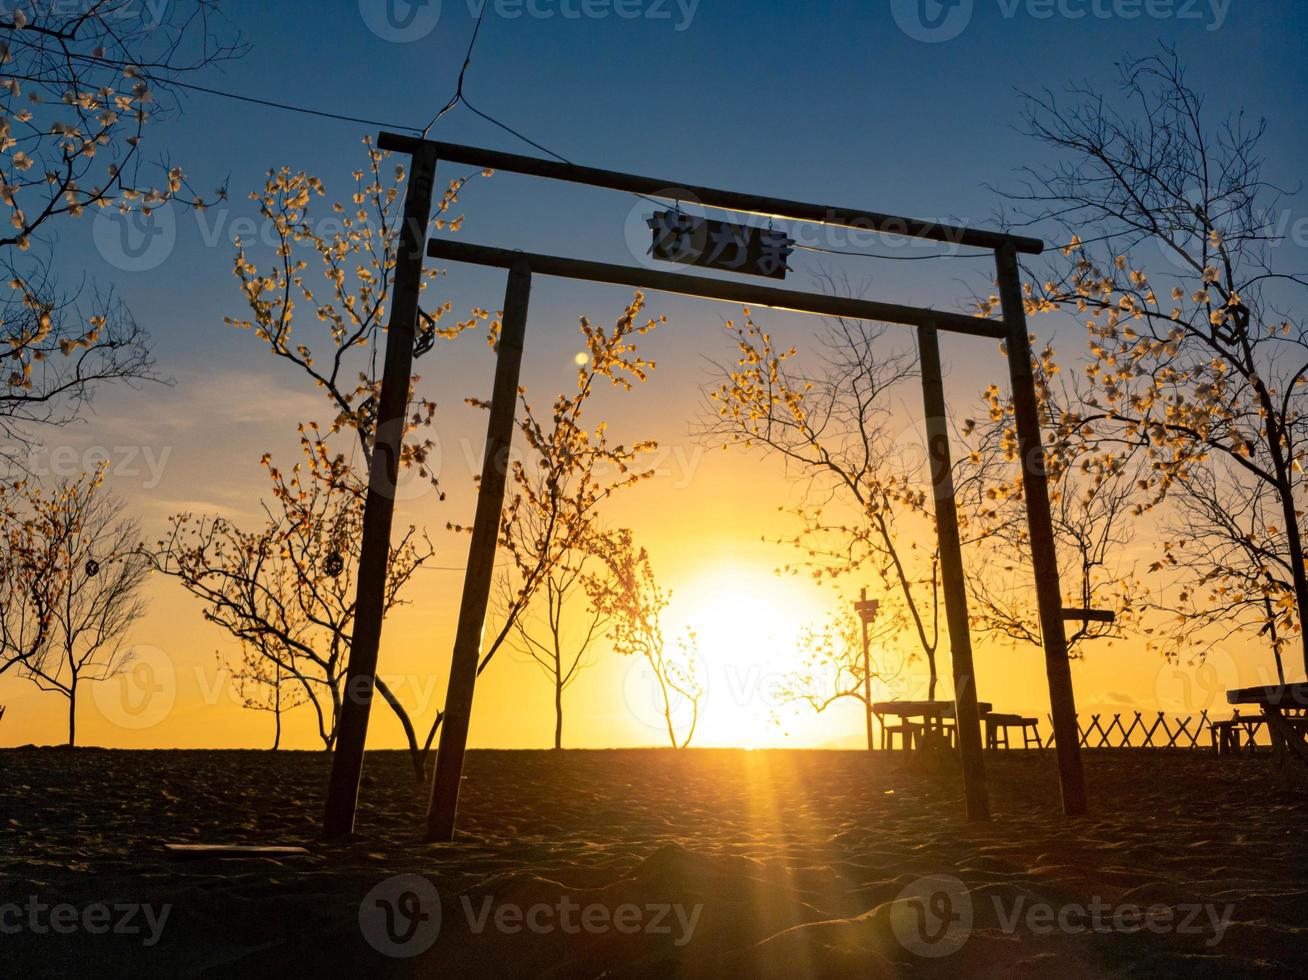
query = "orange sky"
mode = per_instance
[{"x": 704, "y": 517}]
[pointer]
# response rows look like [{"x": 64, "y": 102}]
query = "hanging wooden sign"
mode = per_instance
[{"x": 689, "y": 240}]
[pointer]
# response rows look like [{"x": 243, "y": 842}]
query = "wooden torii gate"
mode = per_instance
[{"x": 522, "y": 267}]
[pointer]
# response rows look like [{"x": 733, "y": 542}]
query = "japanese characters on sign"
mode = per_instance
[{"x": 689, "y": 240}]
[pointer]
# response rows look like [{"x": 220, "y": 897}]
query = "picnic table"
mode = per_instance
[
  {"x": 931, "y": 728},
  {"x": 1283, "y": 707}
]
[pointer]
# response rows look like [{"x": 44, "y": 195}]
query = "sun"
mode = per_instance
[{"x": 747, "y": 625}]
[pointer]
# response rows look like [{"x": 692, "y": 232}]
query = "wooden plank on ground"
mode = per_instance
[{"x": 191, "y": 852}]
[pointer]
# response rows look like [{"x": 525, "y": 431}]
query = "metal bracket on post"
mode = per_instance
[
  {"x": 481, "y": 559},
  {"x": 379, "y": 508},
  {"x": 1044, "y": 556},
  {"x": 967, "y": 716}
]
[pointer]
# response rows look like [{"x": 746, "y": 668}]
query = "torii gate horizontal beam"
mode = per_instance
[
  {"x": 744, "y": 293},
  {"x": 671, "y": 190}
]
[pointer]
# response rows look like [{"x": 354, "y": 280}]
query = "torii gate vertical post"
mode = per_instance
[
  {"x": 379, "y": 508},
  {"x": 1044, "y": 557},
  {"x": 967, "y": 719},
  {"x": 481, "y": 558}
]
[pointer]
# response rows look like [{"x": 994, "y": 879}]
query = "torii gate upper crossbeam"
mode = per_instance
[{"x": 755, "y": 204}]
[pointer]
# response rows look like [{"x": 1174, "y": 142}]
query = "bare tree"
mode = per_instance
[
  {"x": 71, "y": 589},
  {"x": 570, "y": 469},
  {"x": 626, "y": 593},
  {"x": 1199, "y": 357},
  {"x": 1094, "y": 493},
  {"x": 264, "y": 685},
  {"x": 276, "y": 588},
  {"x": 555, "y": 644},
  {"x": 832, "y": 669},
  {"x": 287, "y": 590},
  {"x": 833, "y": 426},
  {"x": 78, "y": 85}
]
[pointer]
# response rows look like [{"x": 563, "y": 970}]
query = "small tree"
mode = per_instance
[
  {"x": 1093, "y": 493},
  {"x": 832, "y": 671},
  {"x": 569, "y": 470},
  {"x": 263, "y": 685},
  {"x": 73, "y": 570},
  {"x": 554, "y": 645},
  {"x": 264, "y": 584},
  {"x": 627, "y": 594},
  {"x": 287, "y": 590},
  {"x": 548, "y": 525},
  {"x": 834, "y": 429}
]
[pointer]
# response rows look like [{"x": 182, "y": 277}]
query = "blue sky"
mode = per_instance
[{"x": 833, "y": 102}]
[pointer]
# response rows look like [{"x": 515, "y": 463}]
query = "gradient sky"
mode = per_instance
[{"x": 830, "y": 102}]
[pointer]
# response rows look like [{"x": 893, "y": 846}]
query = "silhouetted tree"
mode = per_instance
[
  {"x": 78, "y": 85},
  {"x": 71, "y": 570},
  {"x": 1199, "y": 360},
  {"x": 831, "y": 668},
  {"x": 626, "y": 593},
  {"x": 1094, "y": 494},
  {"x": 833, "y": 427},
  {"x": 353, "y": 248},
  {"x": 567, "y": 471},
  {"x": 287, "y": 590}
]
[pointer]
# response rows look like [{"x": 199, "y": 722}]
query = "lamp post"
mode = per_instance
[{"x": 867, "y": 611}]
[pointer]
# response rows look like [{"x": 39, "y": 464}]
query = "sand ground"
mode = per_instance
[{"x": 654, "y": 864}]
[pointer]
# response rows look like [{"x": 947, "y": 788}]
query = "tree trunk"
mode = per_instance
[
  {"x": 277, "y": 708},
  {"x": 558, "y": 712},
  {"x": 418, "y": 757},
  {"x": 72, "y": 713},
  {"x": 1295, "y": 541}
]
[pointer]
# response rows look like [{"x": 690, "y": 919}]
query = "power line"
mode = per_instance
[
  {"x": 457, "y": 97},
  {"x": 893, "y": 258},
  {"x": 460, "y": 97},
  {"x": 304, "y": 110},
  {"x": 252, "y": 100}
]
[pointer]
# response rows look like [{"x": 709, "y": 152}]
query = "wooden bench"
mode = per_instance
[
  {"x": 906, "y": 731},
  {"x": 1283, "y": 709},
  {"x": 997, "y": 726},
  {"x": 1227, "y": 734}
]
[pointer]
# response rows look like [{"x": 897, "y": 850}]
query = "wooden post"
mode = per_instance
[
  {"x": 481, "y": 559},
  {"x": 383, "y": 475},
  {"x": 967, "y": 719},
  {"x": 1044, "y": 557}
]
